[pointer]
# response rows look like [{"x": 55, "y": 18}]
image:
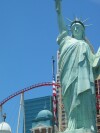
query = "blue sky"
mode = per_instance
[{"x": 28, "y": 32}]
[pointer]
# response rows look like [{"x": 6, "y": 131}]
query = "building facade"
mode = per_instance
[
  {"x": 97, "y": 89},
  {"x": 33, "y": 107},
  {"x": 62, "y": 118},
  {"x": 43, "y": 123}
]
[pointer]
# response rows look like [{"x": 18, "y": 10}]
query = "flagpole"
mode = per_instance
[{"x": 53, "y": 67}]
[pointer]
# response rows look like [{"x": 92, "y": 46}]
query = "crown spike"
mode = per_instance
[
  {"x": 88, "y": 25},
  {"x": 76, "y": 19},
  {"x": 85, "y": 20},
  {"x": 69, "y": 20}
]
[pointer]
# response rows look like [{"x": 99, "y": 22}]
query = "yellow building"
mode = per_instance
[{"x": 62, "y": 119}]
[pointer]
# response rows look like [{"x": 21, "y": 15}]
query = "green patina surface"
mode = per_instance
[{"x": 44, "y": 118}]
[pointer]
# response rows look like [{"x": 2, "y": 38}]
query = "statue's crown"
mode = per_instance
[{"x": 76, "y": 20}]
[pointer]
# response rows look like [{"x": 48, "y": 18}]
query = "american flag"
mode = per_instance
[
  {"x": 54, "y": 102},
  {"x": 54, "y": 96}
]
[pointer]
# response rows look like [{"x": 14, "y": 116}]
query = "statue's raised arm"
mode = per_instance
[
  {"x": 58, "y": 6},
  {"x": 61, "y": 23}
]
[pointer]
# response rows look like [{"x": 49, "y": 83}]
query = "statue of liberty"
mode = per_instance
[{"x": 78, "y": 67}]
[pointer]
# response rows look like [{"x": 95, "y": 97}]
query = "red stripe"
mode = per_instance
[
  {"x": 54, "y": 101},
  {"x": 54, "y": 89}
]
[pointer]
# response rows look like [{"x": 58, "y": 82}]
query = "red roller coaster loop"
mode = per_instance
[{"x": 27, "y": 89}]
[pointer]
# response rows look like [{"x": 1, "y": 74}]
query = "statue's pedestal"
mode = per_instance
[{"x": 82, "y": 130}]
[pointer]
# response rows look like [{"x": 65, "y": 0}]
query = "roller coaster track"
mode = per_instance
[
  {"x": 27, "y": 89},
  {"x": 30, "y": 88}
]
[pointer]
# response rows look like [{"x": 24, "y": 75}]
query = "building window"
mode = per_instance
[
  {"x": 43, "y": 131},
  {"x": 36, "y": 131}
]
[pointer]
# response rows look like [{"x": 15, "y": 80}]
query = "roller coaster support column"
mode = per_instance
[
  {"x": 21, "y": 110},
  {"x": 1, "y": 114}
]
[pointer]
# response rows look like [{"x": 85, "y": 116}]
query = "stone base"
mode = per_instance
[{"x": 82, "y": 130}]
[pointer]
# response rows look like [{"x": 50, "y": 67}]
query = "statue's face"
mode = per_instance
[{"x": 77, "y": 31}]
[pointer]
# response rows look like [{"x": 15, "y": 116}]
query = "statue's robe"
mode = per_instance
[{"x": 77, "y": 83}]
